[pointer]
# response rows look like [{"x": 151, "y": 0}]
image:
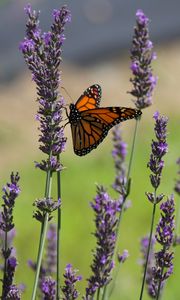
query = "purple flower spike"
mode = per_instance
[
  {"x": 48, "y": 288},
  {"x": 163, "y": 259},
  {"x": 142, "y": 56},
  {"x": 9, "y": 275},
  {"x": 159, "y": 149},
  {"x": 11, "y": 192},
  {"x": 71, "y": 278},
  {"x": 46, "y": 205},
  {"x": 42, "y": 53},
  {"x": 105, "y": 210},
  {"x": 119, "y": 155},
  {"x": 122, "y": 258},
  {"x": 177, "y": 184},
  {"x": 51, "y": 252},
  {"x": 14, "y": 293}
]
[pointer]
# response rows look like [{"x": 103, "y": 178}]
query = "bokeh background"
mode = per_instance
[{"x": 96, "y": 51}]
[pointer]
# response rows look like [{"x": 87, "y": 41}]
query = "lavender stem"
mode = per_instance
[
  {"x": 40, "y": 254},
  {"x": 43, "y": 233},
  {"x": 132, "y": 152},
  {"x": 122, "y": 208},
  {"x": 159, "y": 285},
  {"x": 58, "y": 234},
  {"x": 149, "y": 245}
]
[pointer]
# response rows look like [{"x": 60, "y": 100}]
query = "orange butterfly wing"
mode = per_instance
[
  {"x": 90, "y": 98},
  {"x": 94, "y": 124}
]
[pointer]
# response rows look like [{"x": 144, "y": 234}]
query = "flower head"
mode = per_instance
[
  {"x": 48, "y": 288},
  {"x": 105, "y": 210},
  {"x": 159, "y": 149},
  {"x": 42, "y": 53},
  {"x": 163, "y": 267},
  {"x": 46, "y": 205},
  {"x": 177, "y": 184},
  {"x": 70, "y": 279},
  {"x": 14, "y": 293},
  {"x": 11, "y": 192},
  {"x": 119, "y": 155},
  {"x": 142, "y": 56},
  {"x": 9, "y": 275},
  {"x": 51, "y": 252}
]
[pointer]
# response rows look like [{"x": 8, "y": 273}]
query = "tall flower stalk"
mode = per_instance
[
  {"x": 42, "y": 53},
  {"x": 143, "y": 83},
  {"x": 11, "y": 192},
  {"x": 160, "y": 265},
  {"x": 106, "y": 219},
  {"x": 159, "y": 148},
  {"x": 177, "y": 190},
  {"x": 143, "y": 80}
]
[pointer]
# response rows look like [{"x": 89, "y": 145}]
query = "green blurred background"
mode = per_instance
[{"x": 19, "y": 150}]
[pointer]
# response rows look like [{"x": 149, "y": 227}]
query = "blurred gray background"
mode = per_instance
[{"x": 100, "y": 28}]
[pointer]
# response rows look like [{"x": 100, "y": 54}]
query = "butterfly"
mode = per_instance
[{"x": 90, "y": 123}]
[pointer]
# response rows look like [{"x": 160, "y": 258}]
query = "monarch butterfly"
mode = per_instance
[{"x": 90, "y": 123}]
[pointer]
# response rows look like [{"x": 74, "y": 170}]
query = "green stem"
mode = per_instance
[
  {"x": 159, "y": 285},
  {"x": 58, "y": 236},
  {"x": 42, "y": 235},
  {"x": 132, "y": 150},
  {"x": 122, "y": 208},
  {"x": 149, "y": 246},
  {"x": 40, "y": 254},
  {"x": 98, "y": 293}
]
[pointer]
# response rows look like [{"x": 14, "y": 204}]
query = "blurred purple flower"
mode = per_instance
[
  {"x": 48, "y": 288},
  {"x": 70, "y": 279},
  {"x": 119, "y": 153},
  {"x": 151, "y": 258},
  {"x": 142, "y": 56},
  {"x": 51, "y": 251},
  {"x": 177, "y": 184},
  {"x": 42, "y": 53},
  {"x": 123, "y": 257},
  {"x": 11, "y": 264},
  {"x": 14, "y": 293},
  {"x": 105, "y": 210}
]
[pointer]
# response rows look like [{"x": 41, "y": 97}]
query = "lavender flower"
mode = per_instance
[
  {"x": 141, "y": 58},
  {"x": 177, "y": 184},
  {"x": 42, "y": 53},
  {"x": 51, "y": 249},
  {"x": 159, "y": 149},
  {"x": 69, "y": 289},
  {"x": 163, "y": 259},
  {"x": 119, "y": 155},
  {"x": 105, "y": 210},
  {"x": 48, "y": 288},
  {"x": 46, "y": 205},
  {"x": 123, "y": 257},
  {"x": 11, "y": 192},
  {"x": 14, "y": 293},
  {"x": 11, "y": 264}
]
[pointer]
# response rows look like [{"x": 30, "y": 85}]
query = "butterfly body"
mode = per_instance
[{"x": 90, "y": 123}]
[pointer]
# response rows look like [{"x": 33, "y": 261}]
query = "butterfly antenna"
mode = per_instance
[{"x": 67, "y": 93}]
